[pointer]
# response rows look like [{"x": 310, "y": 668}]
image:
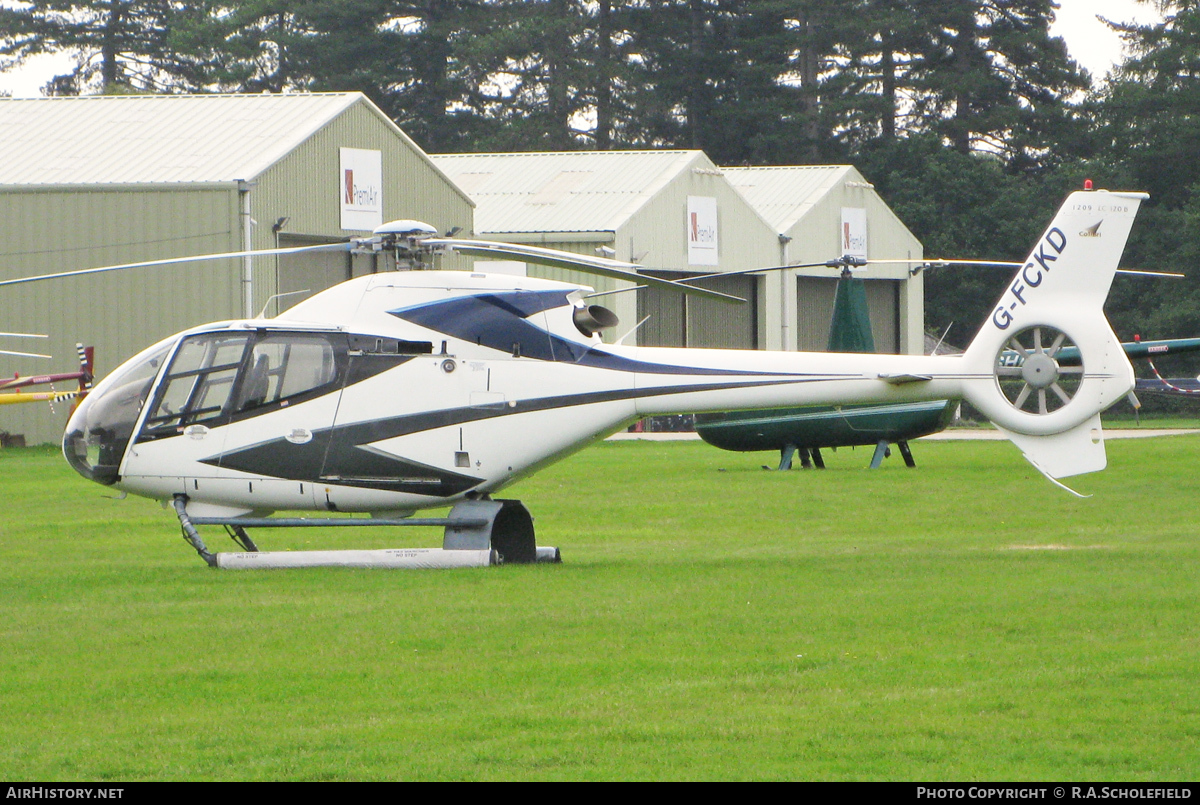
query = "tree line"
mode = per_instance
[
  {"x": 748, "y": 81},
  {"x": 968, "y": 116}
]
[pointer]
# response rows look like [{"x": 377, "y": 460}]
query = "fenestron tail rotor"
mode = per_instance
[{"x": 1035, "y": 382}]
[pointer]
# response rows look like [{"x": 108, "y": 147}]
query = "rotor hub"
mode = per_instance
[{"x": 1040, "y": 370}]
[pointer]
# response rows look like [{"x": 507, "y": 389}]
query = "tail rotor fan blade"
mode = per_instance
[{"x": 1037, "y": 384}]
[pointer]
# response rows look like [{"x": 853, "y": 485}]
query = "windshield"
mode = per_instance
[{"x": 101, "y": 426}]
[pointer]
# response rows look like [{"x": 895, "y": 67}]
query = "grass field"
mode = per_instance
[{"x": 964, "y": 620}]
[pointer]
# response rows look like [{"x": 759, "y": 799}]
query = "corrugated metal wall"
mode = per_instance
[
  {"x": 46, "y": 230},
  {"x": 883, "y": 305},
  {"x": 814, "y": 309},
  {"x": 299, "y": 276},
  {"x": 659, "y": 229},
  {"x": 413, "y": 189},
  {"x": 817, "y": 237},
  {"x": 676, "y": 320},
  {"x": 746, "y": 241},
  {"x": 657, "y": 234}
]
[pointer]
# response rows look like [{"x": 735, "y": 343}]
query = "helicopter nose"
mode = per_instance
[
  {"x": 100, "y": 430},
  {"x": 98, "y": 433}
]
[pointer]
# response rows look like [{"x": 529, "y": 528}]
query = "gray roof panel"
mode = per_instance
[
  {"x": 156, "y": 139},
  {"x": 579, "y": 191},
  {"x": 784, "y": 195}
]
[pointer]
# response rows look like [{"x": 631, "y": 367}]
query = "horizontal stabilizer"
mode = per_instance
[
  {"x": 1061, "y": 455},
  {"x": 900, "y": 380}
]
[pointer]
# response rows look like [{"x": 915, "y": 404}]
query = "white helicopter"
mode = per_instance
[{"x": 409, "y": 390}]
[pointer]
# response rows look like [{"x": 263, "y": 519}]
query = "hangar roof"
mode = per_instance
[
  {"x": 784, "y": 195},
  {"x": 578, "y": 191},
  {"x": 159, "y": 138}
]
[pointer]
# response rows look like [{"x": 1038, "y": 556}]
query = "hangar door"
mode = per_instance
[
  {"x": 677, "y": 320},
  {"x": 814, "y": 311}
]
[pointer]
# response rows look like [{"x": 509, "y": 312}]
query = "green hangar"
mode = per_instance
[{"x": 678, "y": 215}]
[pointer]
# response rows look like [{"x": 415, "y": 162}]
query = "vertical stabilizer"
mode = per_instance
[{"x": 1055, "y": 301}]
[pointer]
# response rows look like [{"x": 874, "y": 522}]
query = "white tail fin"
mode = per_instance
[{"x": 1056, "y": 300}]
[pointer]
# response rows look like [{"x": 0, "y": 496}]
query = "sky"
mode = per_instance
[{"x": 1089, "y": 41}]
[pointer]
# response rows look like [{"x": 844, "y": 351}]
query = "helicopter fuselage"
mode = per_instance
[{"x": 409, "y": 390}]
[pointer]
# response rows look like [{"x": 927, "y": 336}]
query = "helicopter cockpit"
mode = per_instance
[
  {"x": 217, "y": 377},
  {"x": 214, "y": 378}
]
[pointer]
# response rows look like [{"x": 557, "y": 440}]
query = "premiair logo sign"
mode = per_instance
[
  {"x": 357, "y": 196},
  {"x": 360, "y": 189},
  {"x": 703, "y": 248},
  {"x": 854, "y": 232}
]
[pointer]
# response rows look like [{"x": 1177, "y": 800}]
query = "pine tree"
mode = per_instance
[
  {"x": 992, "y": 78},
  {"x": 1151, "y": 106},
  {"x": 413, "y": 59},
  {"x": 121, "y": 45},
  {"x": 1149, "y": 112}
]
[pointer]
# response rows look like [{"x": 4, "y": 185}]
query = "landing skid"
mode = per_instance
[
  {"x": 882, "y": 451},
  {"x": 477, "y": 533},
  {"x": 791, "y": 450}
]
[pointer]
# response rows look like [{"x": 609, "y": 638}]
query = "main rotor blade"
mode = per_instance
[
  {"x": 323, "y": 247},
  {"x": 1139, "y": 272},
  {"x": 938, "y": 263},
  {"x": 740, "y": 272},
  {"x": 24, "y": 354},
  {"x": 555, "y": 258}
]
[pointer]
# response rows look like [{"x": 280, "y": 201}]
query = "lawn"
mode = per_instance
[{"x": 964, "y": 620}]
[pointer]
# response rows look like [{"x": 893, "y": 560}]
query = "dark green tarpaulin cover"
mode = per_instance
[{"x": 850, "y": 330}]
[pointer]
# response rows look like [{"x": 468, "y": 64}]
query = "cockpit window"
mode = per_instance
[
  {"x": 99, "y": 430},
  {"x": 283, "y": 366},
  {"x": 199, "y": 381},
  {"x": 215, "y": 378}
]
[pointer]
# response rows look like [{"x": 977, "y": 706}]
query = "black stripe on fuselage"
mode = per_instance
[
  {"x": 329, "y": 459},
  {"x": 338, "y": 455}
]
